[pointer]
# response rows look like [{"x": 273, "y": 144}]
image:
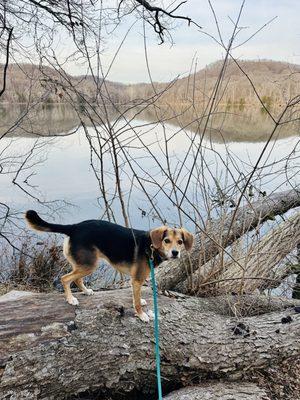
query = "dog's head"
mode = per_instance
[{"x": 170, "y": 242}]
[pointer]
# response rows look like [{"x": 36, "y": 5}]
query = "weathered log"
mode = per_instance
[
  {"x": 220, "y": 391},
  {"x": 255, "y": 268},
  {"x": 296, "y": 289},
  {"x": 51, "y": 350},
  {"x": 246, "y": 219}
]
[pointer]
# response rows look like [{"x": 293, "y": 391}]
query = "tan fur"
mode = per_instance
[
  {"x": 177, "y": 239},
  {"x": 188, "y": 239},
  {"x": 79, "y": 272},
  {"x": 36, "y": 227},
  {"x": 156, "y": 236},
  {"x": 139, "y": 274}
]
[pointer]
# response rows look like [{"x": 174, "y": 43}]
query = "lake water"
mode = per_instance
[{"x": 60, "y": 167}]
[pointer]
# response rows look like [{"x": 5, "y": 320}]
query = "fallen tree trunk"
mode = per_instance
[
  {"x": 255, "y": 268},
  {"x": 51, "y": 350},
  {"x": 220, "y": 391},
  {"x": 206, "y": 247}
]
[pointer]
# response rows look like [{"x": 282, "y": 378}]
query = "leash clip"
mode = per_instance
[{"x": 152, "y": 252}]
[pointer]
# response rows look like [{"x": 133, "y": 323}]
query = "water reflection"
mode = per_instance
[
  {"x": 232, "y": 125},
  {"x": 229, "y": 149}
]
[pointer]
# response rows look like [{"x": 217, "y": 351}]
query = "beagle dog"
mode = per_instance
[{"x": 127, "y": 250}]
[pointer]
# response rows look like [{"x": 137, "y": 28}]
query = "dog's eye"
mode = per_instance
[
  {"x": 180, "y": 241},
  {"x": 167, "y": 240}
]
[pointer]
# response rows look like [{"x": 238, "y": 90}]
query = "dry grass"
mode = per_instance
[{"x": 35, "y": 269}]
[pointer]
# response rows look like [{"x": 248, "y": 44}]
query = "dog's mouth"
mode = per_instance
[
  {"x": 173, "y": 256},
  {"x": 168, "y": 256}
]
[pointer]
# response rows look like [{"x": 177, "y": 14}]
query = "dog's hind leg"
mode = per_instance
[
  {"x": 81, "y": 286},
  {"x": 84, "y": 262},
  {"x": 79, "y": 271}
]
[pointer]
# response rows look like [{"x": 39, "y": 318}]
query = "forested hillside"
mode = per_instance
[
  {"x": 31, "y": 83},
  {"x": 275, "y": 82}
]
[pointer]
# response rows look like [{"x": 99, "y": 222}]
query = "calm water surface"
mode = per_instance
[{"x": 63, "y": 171}]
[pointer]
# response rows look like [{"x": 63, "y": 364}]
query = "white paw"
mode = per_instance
[
  {"x": 88, "y": 292},
  {"x": 143, "y": 302},
  {"x": 144, "y": 317},
  {"x": 73, "y": 301},
  {"x": 150, "y": 314}
]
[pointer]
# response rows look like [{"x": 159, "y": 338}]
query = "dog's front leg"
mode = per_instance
[{"x": 136, "y": 290}]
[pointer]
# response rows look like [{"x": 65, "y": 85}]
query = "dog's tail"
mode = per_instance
[{"x": 37, "y": 223}]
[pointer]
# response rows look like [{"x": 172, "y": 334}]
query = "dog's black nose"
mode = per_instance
[{"x": 175, "y": 253}]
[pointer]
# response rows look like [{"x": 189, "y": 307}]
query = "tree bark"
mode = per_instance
[
  {"x": 255, "y": 268},
  {"x": 206, "y": 247},
  {"x": 296, "y": 289},
  {"x": 220, "y": 391},
  {"x": 51, "y": 350}
]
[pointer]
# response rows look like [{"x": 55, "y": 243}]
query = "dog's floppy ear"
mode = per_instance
[
  {"x": 188, "y": 239},
  {"x": 157, "y": 235}
]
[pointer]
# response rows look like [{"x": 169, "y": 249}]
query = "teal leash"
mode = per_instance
[{"x": 156, "y": 328}]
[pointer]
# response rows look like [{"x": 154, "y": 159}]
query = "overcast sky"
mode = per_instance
[{"x": 277, "y": 41}]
